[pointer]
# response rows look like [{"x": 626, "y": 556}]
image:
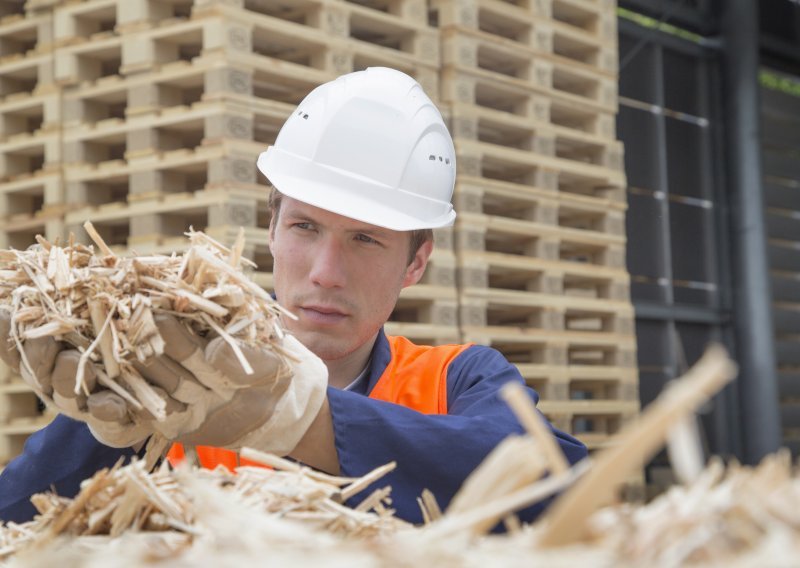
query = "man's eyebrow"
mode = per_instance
[{"x": 299, "y": 217}]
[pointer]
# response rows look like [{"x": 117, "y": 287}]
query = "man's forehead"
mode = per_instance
[{"x": 294, "y": 208}]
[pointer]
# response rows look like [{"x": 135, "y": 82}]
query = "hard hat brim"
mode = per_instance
[{"x": 339, "y": 197}]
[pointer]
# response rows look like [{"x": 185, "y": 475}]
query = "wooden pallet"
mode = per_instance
[
  {"x": 163, "y": 221},
  {"x": 529, "y": 203},
  {"x": 24, "y": 156},
  {"x": 340, "y": 38},
  {"x": 594, "y": 422},
  {"x": 77, "y": 21},
  {"x": 521, "y": 238},
  {"x": 560, "y": 348},
  {"x": 25, "y": 36},
  {"x": 25, "y": 76},
  {"x": 228, "y": 166},
  {"x": 496, "y": 307},
  {"x": 31, "y": 196},
  {"x": 522, "y": 167},
  {"x": 20, "y": 416},
  {"x": 173, "y": 131},
  {"x": 29, "y": 116},
  {"x": 567, "y": 382},
  {"x": 471, "y": 122},
  {"x": 502, "y": 271},
  {"x": 20, "y": 233},
  {"x": 486, "y": 89},
  {"x": 424, "y": 333},
  {"x": 428, "y": 304},
  {"x": 307, "y": 11},
  {"x": 545, "y": 72},
  {"x": 356, "y": 37}
]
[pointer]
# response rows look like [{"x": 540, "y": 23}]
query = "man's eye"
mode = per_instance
[
  {"x": 304, "y": 226},
  {"x": 365, "y": 239}
]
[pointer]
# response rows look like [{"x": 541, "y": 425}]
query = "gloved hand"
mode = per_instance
[
  {"x": 269, "y": 410},
  {"x": 53, "y": 367}
]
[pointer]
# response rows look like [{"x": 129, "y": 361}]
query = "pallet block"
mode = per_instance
[{"x": 596, "y": 18}]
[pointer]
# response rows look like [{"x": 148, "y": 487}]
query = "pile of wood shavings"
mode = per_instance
[
  {"x": 725, "y": 515},
  {"x": 738, "y": 516},
  {"x": 175, "y": 507},
  {"x": 104, "y": 304}
]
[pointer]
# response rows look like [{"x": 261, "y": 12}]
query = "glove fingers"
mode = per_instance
[
  {"x": 41, "y": 353},
  {"x": 172, "y": 377},
  {"x": 162, "y": 372},
  {"x": 108, "y": 406},
  {"x": 8, "y": 350},
  {"x": 244, "y": 413},
  {"x": 65, "y": 371},
  {"x": 267, "y": 365},
  {"x": 172, "y": 406},
  {"x": 180, "y": 343}
]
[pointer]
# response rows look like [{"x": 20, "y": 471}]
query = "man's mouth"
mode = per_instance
[{"x": 323, "y": 315}]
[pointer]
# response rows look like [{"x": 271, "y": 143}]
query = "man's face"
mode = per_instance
[{"x": 339, "y": 276}]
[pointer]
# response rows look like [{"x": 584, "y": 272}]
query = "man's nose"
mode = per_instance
[{"x": 328, "y": 268}]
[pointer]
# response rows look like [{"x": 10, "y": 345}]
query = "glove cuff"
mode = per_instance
[{"x": 297, "y": 409}]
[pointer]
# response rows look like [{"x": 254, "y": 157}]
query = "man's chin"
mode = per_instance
[{"x": 324, "y": 344}]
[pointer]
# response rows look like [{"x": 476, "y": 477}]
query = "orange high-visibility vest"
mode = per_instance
[{"x": 416, "y": 377}]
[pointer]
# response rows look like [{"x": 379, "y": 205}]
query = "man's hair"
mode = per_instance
[{"x": 418, "y": 237}]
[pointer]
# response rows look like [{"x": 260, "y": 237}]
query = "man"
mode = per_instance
[{"x": 363, "y": 170}]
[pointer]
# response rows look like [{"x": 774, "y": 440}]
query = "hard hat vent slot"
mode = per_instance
[
  {"x": 304, "y": 115},
  {"x": 432, "y": 158}
]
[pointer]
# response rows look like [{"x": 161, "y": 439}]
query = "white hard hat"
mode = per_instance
[{"x": 371, "y": 146}]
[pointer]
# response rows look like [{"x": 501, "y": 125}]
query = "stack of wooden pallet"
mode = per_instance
[
  {"x": 540, "y": 243},
  {"x": 30, "y": 180},
  {"x": 146, "y": 117}
]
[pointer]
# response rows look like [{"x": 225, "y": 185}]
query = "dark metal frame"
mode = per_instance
[
  {"x": 721, "y": 423},
  {"x": 745, "y": 420}
]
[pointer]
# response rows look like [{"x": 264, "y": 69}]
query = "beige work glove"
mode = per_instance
[
  {"x": 53, "y": 367},
  {"x": 223, "y": 406}
]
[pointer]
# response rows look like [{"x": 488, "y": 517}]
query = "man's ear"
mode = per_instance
[
  {"x": 416, "y": 268},
  {"x": 271, "y": 231}
]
